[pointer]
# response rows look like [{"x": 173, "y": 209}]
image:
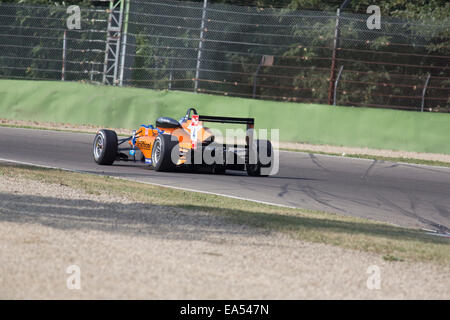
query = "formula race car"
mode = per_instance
[{"x": 172, "y": 144}]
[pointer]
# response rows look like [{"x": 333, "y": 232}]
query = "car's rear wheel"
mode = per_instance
[
  {"x": 105, "y": 147},
  {"x": 219, "y": 169},
  {"x": 263, "y": 147},
  {"x": 162, "y": 150}
]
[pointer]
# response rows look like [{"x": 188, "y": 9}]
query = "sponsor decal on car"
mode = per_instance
[
  {"x": 144, "y": 145},
  {"x": 148, "y": 161}
]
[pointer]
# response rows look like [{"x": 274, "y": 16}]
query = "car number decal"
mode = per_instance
[{"x": 195, "y": 126}]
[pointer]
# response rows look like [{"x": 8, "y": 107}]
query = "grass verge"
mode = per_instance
[
  {"x": 375, "y": 157},
  {"x": 108, "y": 106},
  {"x": 60, "y": 129},
  {"x": 392, "y": 243}
]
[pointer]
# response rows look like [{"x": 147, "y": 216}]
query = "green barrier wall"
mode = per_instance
[{"x": 319, "y": 124}]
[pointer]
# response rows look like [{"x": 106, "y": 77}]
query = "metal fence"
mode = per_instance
[{"x": 263, "y": 53}]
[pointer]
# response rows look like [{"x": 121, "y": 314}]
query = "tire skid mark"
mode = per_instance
[
  {"x": 412, "y": 202},
  {"x": 317, "y": 163},
  {"x": 413, "y": 215},
  {"x": 372, "y": 165},
  {"x": 312, "y": 193},
  {"x": 284, "y": 190},
  {"x": 349, "y": 199},
  {"x": 443, "y": 211}
]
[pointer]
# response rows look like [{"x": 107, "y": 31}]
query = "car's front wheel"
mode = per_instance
[
  {"x": 163, "y": 149},
  {"x": 105, "y": 147}
]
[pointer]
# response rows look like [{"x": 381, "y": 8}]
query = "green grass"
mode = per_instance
[
  {"x": 390, "y": 242},
  {"x": 389, "y": 257},
  {"x": 40, "y": 128}
]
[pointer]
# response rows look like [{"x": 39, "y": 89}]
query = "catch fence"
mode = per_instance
[{"x": 264, "y": 53}]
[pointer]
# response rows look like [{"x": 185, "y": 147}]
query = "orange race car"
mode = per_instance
[{"x": 173, "y": 144}]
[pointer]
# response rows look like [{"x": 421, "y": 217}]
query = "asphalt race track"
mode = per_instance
[{"x": 402, "y": 194}]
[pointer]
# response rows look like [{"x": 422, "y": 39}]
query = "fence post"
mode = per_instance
[
  {"x": 63, "y": 70},
  {"x": 336, "y": 84},
  {"x": 267, "y": 61},
  {"x": 255, "y": 77},
  {"x": 91, "y": 76},
  {"x": 424, "y": 92},
  {"x": 200, "y": 45},
  {"x": 124, "y": 41},
  {"x": 333, "y": 58},
  {"x": 171, "y": 74}
]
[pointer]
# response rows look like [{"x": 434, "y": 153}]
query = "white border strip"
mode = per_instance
[
  {"x": 150, "y": 183},
  {"x": 348, "y": 157}
]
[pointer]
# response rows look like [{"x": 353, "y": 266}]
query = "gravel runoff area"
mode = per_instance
[
  {"x": 138, "y": 250},
  {"x": 284, "y": 145}
]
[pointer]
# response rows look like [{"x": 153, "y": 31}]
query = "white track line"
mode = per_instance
[
  {"x": 368, "y": 159},
  {"x": 149, "y": 183}
]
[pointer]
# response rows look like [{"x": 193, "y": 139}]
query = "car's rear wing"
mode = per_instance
[{"x": 250, "y": 122}]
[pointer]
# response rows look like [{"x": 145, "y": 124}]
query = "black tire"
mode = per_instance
[
  {"x": 163, "y": 161},
  {"x": 105, "y": 147},
  {"x": 254, "y": 170},
  {"x": 219, "y": 169}
]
